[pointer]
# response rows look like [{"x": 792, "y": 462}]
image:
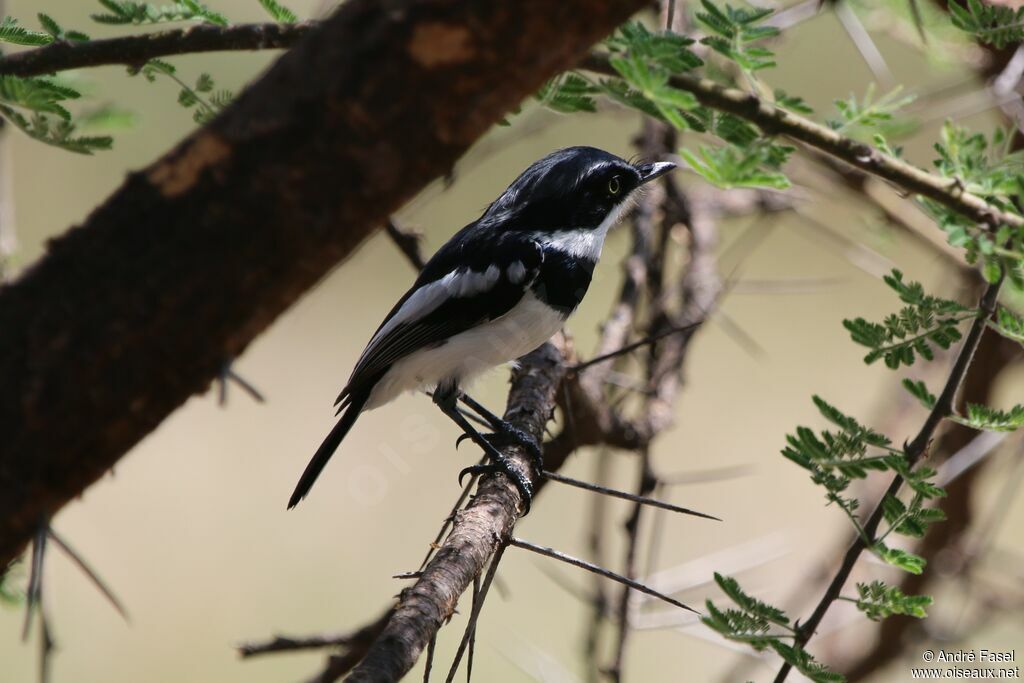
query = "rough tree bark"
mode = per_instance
[
  {"x": 137, "y": 309},
  {"x": 478, "y": 530}
]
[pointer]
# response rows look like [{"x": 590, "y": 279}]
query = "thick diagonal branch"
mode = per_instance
[{"x": 138, "y": 308}]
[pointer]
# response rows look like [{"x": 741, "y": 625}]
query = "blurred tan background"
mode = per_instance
[{"x": 191, "y": 529}]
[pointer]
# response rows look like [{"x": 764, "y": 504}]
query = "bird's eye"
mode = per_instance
[{"x": 614, "y": 186}]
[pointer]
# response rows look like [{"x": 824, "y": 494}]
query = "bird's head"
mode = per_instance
[{"x": 572, "y": 189}]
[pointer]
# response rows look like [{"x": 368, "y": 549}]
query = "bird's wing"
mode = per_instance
[{"x": 467, "y": 283}]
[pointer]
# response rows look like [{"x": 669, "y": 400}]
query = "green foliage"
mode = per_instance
[
  {"x": 998, "y": 25},
  {"x": 37, "y": 106},
  {"x": 667, "y": 50},
  {"x": 762, "y": 626},
  {"x": 9, "y": 595},
  {"x": 10, "y": 32},
  {"x": 792, "y": 102},
  {"x": 55, "y": 30},
  {"x": 646, "y": 61},
  {"x": 734, "y": 32},
  {"x": 925, "y": 321},
  {"x": 992, "y": 419},
  {"x": 860, "y": 118},
  {"x": 802, "y": 661},
  {"x": 1008, "y": 324},
  {"x": 129, "y": 12},
  {"x": 279, "y": 12},
  {"x": 568, "y": 94},
  {"x": 978, "y": 417},
  {"x": 901, "y": 559},
  {"x": 988, "y": 169},
  {"x": 920, "y": 391},
  {"x": 201, "y": 98},
  {"x": 910, "y": 520},
  {"x": 731, "y": 166},
  {"x": 879, "y": 601},
  {"x": 834, "y": 458}
]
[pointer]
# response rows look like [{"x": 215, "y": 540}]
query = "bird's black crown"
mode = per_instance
[{"x": 569, "y": 189}]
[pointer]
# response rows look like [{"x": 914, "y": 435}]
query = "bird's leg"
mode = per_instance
[
  {"x": 508, "y": 430},
  {"x": 447, "y": 400}
]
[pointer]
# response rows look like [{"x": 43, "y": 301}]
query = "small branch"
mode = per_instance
[
  {"x": 774, "y": 120},
  {"x": 915, "y": 450},
  {"x": 601, "y": 571},
  {"x": 615, "y": 493},
  {"x": 137, "y": 50}
]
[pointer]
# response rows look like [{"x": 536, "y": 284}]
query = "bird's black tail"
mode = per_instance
[{"x": 355, "y": 405}]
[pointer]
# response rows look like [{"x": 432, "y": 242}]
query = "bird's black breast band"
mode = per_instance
[{"x": 563, "y": 280}]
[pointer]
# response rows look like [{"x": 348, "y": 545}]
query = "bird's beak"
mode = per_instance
[{"x": 649, "y": 172}]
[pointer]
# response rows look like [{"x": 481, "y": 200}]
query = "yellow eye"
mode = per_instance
[{"x": 614, "y": 186}]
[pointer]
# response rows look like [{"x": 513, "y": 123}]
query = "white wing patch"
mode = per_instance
[
  {"x": 516, "y": 272},
  {"x": 458, "y": 284}
]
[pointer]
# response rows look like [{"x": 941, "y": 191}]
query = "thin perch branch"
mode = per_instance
[
  {"x": 478, "y": 531},
  {"x": 63, "y": 55}
]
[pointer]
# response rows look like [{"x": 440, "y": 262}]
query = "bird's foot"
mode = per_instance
[
  {"x": 506, "y": 467},
  {"x": 508, "y": 435}
]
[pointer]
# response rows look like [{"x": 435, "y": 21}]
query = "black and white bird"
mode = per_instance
[{"x": 498, "y": 289}]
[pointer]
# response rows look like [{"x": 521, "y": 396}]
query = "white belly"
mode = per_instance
[{"x": 528, "y": 325}]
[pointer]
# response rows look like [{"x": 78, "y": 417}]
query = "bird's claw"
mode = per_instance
[
  {"x": 511, "y": 435},
  {"x": 509, "y": 470}
]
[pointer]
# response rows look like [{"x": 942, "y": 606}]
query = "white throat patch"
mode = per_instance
[{"x": 583, "y": 243}]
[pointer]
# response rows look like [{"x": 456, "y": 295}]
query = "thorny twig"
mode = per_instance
[{"x": 914, "y": 451}]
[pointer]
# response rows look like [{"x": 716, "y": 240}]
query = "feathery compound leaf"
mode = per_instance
[
  {"x": 734, "y": 31},
  {"x": 730, "y": 166},
  {"x": 850, "y": 425},
  {"x": 567, "y": 94},
  {"x": 910, "y": 520},
  {"x": 861, "y": 118},
  {"x": 833, "y": 458},
  {"x": 988, "y": 168},
  {"x": 919, "y": 391},
  {"x": 802, "y": 661},
  {"x": 750, "y": 604},
  {"x": 129, "y": 12},
  {"x": 59, "y": 133},
  {"x": 901, "y": 559},
  {"x": 879, "y": 601},
  {"x": 645, "y": 61},
  {"x": 1008, "y": 324},
  {"x": 925, "y": 322},
  {"x": 998, "y": 25},
  {"x": 10, "y": 32},
  {"x": 751, "y": 623},
  {"x": 791, "y": 102},
  {"x": 279, "y": 12},
  {"x": 665, "y": 49},
  {"x": 991, "y": 419}
]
